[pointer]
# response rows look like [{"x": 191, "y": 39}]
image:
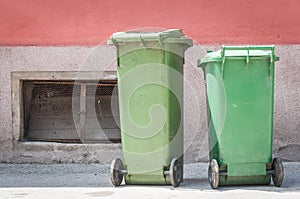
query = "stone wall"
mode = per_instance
[{"x": 75, "y": 58}]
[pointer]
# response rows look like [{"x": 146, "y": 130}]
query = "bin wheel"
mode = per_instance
[
  {"x": 175, "y": 172},
  {"x": 115, "y": 172},
  {"x": 278, "y": 174},
  {"x": 213, "y": 174}
]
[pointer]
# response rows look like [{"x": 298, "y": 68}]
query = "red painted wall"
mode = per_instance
[{"x": 90, "y": 22}]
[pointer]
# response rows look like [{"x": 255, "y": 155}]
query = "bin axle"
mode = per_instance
[
  {"x": 167, "y": 172},
  {"x": 122, "y": 171},
  {"x": 223, "y": 173},
  {"x": 270, "y": 172}
]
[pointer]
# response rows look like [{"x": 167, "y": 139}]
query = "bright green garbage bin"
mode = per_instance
[
  {"x": 240, "y": 92},
  {"x": 150, "y": 86}
]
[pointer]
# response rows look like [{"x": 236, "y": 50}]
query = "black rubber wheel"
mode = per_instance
[
  {"x": 115, "y": 172},
  {"x": 175, "y": 172},
  {"x": 213, "y": 174},
  {"x": 278, "y": 174}
]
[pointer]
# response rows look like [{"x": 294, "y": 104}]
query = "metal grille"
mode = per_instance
[
  {"x": 49, "y": 110},
  {"x": 64, "y": 89},
  {"x": 107, "y": 90},
  {"x": 54, "y": 89}
]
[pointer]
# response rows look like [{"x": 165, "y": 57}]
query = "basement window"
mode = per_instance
[{"x": 70, "y": 111}]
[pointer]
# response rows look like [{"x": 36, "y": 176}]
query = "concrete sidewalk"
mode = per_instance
[{"x": 93, "y": 180}]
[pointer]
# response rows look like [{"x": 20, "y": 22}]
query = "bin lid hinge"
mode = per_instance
[
  {"x": 222, "y": 67},
  {"x": 248, "y": 57},
  {"x": 271, "y": 61}
]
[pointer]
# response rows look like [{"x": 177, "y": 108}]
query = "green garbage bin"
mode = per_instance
[
  {"x": 150, "y": 89},
  {"x": 240, "y": 92}
]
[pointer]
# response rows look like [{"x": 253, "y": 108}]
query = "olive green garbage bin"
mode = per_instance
[
  {"x": 150, "y": 86},
  {"x": 240, "y": 90}
]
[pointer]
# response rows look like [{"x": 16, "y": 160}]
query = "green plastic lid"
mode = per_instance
[
  {"x": 167, "y": 36},
  {"x": 239, "y": 52}
]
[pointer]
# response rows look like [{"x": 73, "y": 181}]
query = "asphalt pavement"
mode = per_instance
[{"x": 93, "y": 181}]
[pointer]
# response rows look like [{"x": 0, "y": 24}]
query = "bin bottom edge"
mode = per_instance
[
  {"x": 245, "y": 180},
  {"x": 147, "y": 180}
]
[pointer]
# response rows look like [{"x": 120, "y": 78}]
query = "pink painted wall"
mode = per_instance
[{"x": 90, "y": 22}]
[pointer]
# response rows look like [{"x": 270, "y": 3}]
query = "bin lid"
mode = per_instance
[
  {"x": 239, "y": 52},
  {"x": 167, "y": 36}
]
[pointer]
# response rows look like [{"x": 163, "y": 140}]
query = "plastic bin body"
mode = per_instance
[
  {"x": 150, "y": 86},
  {"x": 240, "y": 89}
]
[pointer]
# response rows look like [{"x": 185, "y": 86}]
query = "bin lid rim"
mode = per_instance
[
  {"x": 235, "y": 54},
  {"x": 167, "y": 36}
]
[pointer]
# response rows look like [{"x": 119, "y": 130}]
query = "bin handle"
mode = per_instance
[
  {"x": 144, "y": 44},
  {"x": 142, "y": 40},
  {"x": 248, "y": 48},
  {"x": 264, "y": 48}
]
